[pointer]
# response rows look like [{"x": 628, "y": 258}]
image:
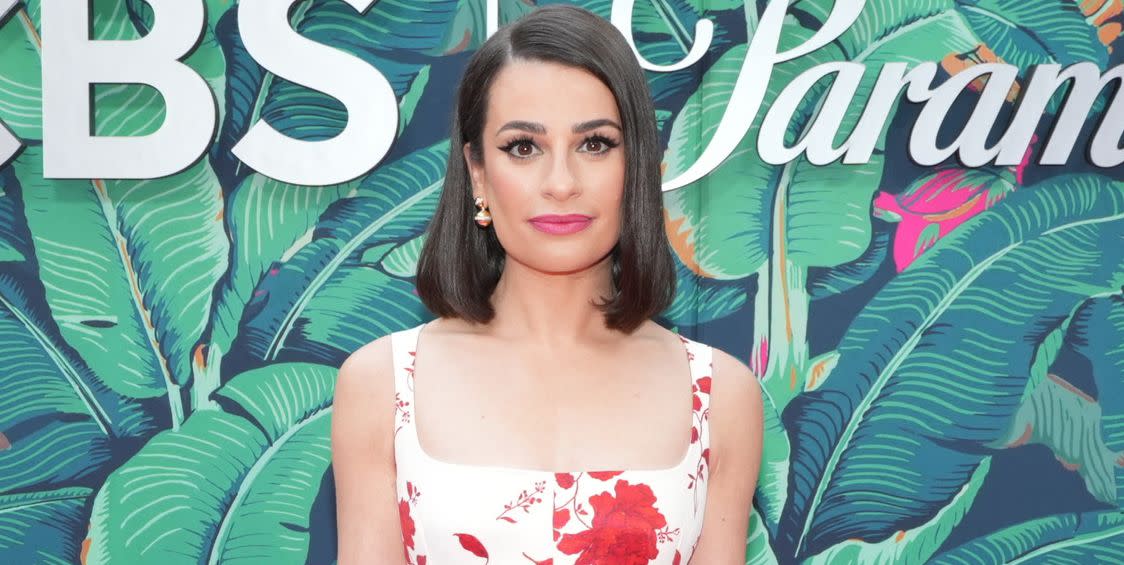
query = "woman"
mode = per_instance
[{"x": 543, "y": 417}]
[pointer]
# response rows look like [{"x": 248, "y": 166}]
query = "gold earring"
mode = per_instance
[{"x": 483, "y": 217}]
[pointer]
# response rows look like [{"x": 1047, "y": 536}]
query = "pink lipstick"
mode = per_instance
[{"x": 561, "y": 224}]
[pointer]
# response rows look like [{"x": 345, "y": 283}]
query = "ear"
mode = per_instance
[{"x": 475, "y": 171}]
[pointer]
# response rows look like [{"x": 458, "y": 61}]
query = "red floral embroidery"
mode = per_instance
[
  {"x": 561, "y": 518},
  {"x": 565, "y": 480},
  {"x": 524, "y": 501},
  {"x": 623, "y": 531},
  {"x": 666, "y": 535},
  {"x": 408, "y": 529},
  {"x": 473, "y": 545},
  {"x": 704, "y": 384},
  {"x": 400, "y": 407},
  {"x": 604, "y": 475},
  {"x": 408, "y": 526}
]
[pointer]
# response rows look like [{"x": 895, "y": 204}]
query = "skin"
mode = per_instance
[{"x": 522, "y": 398}]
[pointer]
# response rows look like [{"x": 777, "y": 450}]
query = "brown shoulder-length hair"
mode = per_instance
[{"x": 460, "y": 263}]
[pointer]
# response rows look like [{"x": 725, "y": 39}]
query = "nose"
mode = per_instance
[{"x": 560, "y": 182}]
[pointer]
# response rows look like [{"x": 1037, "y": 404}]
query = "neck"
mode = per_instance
[{"x": 551, "y": 309}]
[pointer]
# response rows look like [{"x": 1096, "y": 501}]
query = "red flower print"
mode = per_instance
[
  {"x": 677, "y": 559},
  {"x": 565, "y": 480},
  {"x": 525, "y": 501},
  {"x": 623, "y": 531},
  {"x": 473, "y": 545},
  {"x": 408, "y": 529},
  {"x": 704, "y": 384},
  {"x": 604, "y": 475},
  {"x": 561, "y": 518}
]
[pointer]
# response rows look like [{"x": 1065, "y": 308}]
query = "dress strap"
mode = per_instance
[
  {"x": 700, "y": 359},
  {"x": 404, "y": 346}
]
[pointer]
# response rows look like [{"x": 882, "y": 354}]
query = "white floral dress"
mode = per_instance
[{"x": 472, "y": 514}]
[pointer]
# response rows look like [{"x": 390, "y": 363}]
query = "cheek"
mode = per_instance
[
  {"x": 612, "y": 191},
  {"x": 509, "y": 188}
]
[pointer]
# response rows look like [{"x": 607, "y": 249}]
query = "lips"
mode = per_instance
[{"x": 559, "y": 224}]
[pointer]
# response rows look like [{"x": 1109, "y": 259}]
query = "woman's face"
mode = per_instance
[{"x": 552, "y": 146}]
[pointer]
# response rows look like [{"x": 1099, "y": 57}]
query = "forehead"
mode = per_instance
[{"x": 555, "y": 95}]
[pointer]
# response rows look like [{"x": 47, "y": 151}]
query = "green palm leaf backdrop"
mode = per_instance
[{"x": 941, "y": 349}]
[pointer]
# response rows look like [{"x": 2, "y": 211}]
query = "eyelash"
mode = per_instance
[{"x": 608, "y": 143}]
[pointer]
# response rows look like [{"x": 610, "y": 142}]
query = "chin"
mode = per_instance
[{"x": 547, "y": 263}]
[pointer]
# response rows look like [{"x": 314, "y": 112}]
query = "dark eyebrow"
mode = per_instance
[
  {"x": 537, "y": 128},
  {"x": 594, "y": 124},
  {"x": 531, "y": 127}
]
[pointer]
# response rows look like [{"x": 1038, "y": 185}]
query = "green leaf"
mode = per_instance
[
  {"x": 58, "y": 420},
  {"x": 409, "y": 101},
  {"x": 699, "y": 300},
  {"x": 21, "y": 82},
  {"x": 43, "y": 527},
  {"x": 1025, "y": 33},
  {"x": 15, "y": 242},
  {"x": 1068, "y": 421},
  {"x": 470, "y": 26},
  {"x": 757, "y": 549},
  {"x": 772, "y": 481},
  {"x": 819, "y": 369},
  {"x": 916, "y": 545},
  {"x": 831, "y": 281},
  {"x": 873, "y": 446},
  {"x": 92, "y": 283},
  {"x": 132, "y": 263},
  {"x": 1092, "y": 537},
  {"x": 268, "y": 220},
  {"x": 329, "y": 299},
  {"x": 60, "y": 423},
  {"x": 402, "y": 261},
  {"x": 225, "y": 488}
]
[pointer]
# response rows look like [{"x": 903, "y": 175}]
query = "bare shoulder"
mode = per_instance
[
  {"x": 368, "y": 367},
  {"x": 363, "y": 403},
  {"x": 735, "y": 459},
  {"x": 735, "y": 407},
  {"x": 362, "y": 444},
  {"x": 734, "y": 376}
]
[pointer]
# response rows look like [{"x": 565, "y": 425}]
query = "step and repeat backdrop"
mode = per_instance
[{"x": 906, "y": 216}]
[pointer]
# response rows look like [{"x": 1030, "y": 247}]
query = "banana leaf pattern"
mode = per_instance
[{"x": 941, "y": 350}]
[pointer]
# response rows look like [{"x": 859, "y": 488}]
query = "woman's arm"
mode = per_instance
[
  {"x": 735, "y": 456},
  {"x": 368, "y": 525}
]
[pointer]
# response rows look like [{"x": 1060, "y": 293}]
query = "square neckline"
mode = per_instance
[{"x": 683, "y": 461}]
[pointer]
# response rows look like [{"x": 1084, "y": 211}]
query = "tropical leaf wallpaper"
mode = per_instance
[{"x": 941, "y": 348}]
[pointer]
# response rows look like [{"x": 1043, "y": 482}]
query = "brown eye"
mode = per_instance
[
  {"x": 597, "y": 145},
  {"x": 519, "y": 148}
]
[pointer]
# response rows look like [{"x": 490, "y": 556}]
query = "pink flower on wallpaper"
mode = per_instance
[
  {"x": 937, "y": 204},
  {"x": 759, "y": 359}
]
